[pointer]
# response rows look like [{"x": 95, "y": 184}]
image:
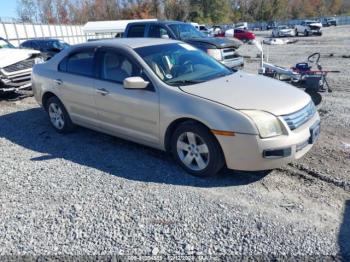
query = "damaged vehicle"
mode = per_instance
[
  {"x": 16, "y": 66},
  {"x": 309, "y": 27},
  {"x": 222, "y": 49}
]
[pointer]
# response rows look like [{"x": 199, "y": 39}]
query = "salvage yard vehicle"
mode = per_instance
[
  {"x": 48, "y": 46},
  {"x": 329, "y": 21},
  {"x": 171, "y": 96},
  {"x": 283, "y": 30},
  {"x": 241, "y": 34},
  {"x": 308, "y": 27},
  {"x": 16, "y": 66},
  {"x": 223, "y": 50}
]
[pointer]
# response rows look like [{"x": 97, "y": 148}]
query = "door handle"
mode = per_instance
[
  {"x": 102, "y": 91},
  {"x": 58, "y": 81}
]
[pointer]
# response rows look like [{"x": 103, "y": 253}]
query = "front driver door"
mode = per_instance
[{"x": 128, "y": 113}]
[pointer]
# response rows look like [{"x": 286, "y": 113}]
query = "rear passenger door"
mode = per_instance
[
  {"x": 75, "y": 84},
  {"x": 128, "y": 113}
]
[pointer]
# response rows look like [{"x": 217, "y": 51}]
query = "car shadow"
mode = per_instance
[
  {"x": 344, "y": 234},
  {"x": 31, "y": 129}
]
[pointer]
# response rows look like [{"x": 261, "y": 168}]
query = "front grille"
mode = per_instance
[
  {"x": 22, "y": 65},
  {"x": 300, "y": 117}
]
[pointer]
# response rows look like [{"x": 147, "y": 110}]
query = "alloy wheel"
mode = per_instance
[
  {"x": 193, "y": 151},
  {"x": 56, "y": 116}
]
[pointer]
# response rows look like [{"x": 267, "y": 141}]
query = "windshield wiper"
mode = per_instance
[{"x": 185, "y": 82}]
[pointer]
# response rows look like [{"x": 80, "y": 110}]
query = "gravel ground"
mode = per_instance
[{"x": 91, "y": 194}]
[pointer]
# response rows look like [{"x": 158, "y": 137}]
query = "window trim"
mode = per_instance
[{"x": 80, "y": 50}]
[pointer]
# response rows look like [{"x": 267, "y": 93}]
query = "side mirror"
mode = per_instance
[{"x": 135, "y": 82}]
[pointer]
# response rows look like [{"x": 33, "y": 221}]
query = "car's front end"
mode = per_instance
[
  {"x": 290, "y": 32},
  {"x": 285, "y": 121},
  {"x": 315, "y": 28},
  {"x": 281, "y": 140},
  {"x": 16, "y": 67}
]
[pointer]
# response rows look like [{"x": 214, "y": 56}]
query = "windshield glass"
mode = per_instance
[
  {"x": 186, "y": 31},
  {"x": 5, "y": 44},
  {"x": 182, "y": 64}
]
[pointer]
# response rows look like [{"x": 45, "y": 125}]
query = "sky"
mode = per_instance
[{"x": 8, "y": 8}]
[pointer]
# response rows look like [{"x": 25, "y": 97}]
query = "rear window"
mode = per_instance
[{"x": 136, "y": 31}]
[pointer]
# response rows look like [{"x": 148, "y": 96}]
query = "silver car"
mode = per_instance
[{"x": 169, "y": 95}]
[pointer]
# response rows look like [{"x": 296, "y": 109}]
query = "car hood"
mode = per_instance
[
  {"x": 316, "y": 24},
  {"x": 286, "y": 30},
  {"x": 247, "y": 91},
  {"x": 9, "y": 56},
  {"x": 217, "y": 42}
]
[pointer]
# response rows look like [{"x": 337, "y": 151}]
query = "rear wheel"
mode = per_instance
[
  {"x": 195, "y": 148},
  {"x": 58, "y": 115},
  {"x": 296, "y": 33},
  {"x": 306, "y": 33}
]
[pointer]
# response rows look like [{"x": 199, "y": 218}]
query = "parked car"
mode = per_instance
[
  {"x": 16, "y": 66},
  {"x": 309, "y": 27},
  {"x": 242, "y": 25},
  {"x": 243, "y": 35},
  {"x": 223, "y": 50},
  {"x": 283, "y": 30},
  {"x": 329, "y": 21},
  {"x": 48, "y": 47},
  {"x": 271, "y": 24},
  {"x": 172, "y": 96}
]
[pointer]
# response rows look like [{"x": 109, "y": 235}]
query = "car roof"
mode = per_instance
[
  {"x": 158, "y": 22},
  {"x": 42, "y": 40},
  {"x": 129, "y": 42}
]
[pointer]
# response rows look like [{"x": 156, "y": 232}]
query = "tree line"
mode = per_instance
[{"x": 201, "y": 11}]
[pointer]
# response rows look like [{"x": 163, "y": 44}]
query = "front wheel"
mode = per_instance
[
  {"x": 306, "y": 33},
  {"x": 58, "y": 116},
  {"x": 195, "y": 148}
]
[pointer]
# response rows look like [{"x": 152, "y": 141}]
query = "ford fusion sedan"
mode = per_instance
[{"x": 171, "y": 96}]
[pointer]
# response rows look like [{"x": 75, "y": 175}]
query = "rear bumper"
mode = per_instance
[
  {"x": 235, "y": 63},
  {"x": 251, "y": 153}
]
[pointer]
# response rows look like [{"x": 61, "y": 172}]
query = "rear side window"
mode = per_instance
[
  {"x": 80, "y": 63},
  {"x": 136, "y": 31}
]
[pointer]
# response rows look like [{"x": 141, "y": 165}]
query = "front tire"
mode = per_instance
[
  {"x": 58, "y": 115},
  {"x": 196, "y": 150}
]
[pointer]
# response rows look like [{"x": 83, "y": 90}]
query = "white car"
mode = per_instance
[
  {"x": 16, "y": 66},
  {"x": 283, "y": 30},
  {"x": 309, "y": 27}
]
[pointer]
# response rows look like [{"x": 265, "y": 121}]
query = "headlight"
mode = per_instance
[
  {"x": 267, "y": 124},
  {"x": 215, "y": 53},
  {"x": 38, "y": 60}
]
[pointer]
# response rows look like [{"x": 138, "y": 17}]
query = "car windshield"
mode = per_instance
[
  {"x": 186, "y": 31},
  {"x": 181, "y": 64},
  {"x": 49, "y": 44},
  {"x": 5, "y": 44}
]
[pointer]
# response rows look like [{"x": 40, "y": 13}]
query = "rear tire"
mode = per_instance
[
  {"x": 58, "y": 115},
  {"x": 306, "y": 33},
  {"x": 196, "y": 150}
]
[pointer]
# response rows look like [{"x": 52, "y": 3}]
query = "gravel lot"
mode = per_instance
[{"x": 91, "y": 194}]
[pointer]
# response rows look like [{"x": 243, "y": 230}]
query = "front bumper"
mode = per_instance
[
  {"x": 10, "y": 82},
  {"x": 251, "y": 153}
]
